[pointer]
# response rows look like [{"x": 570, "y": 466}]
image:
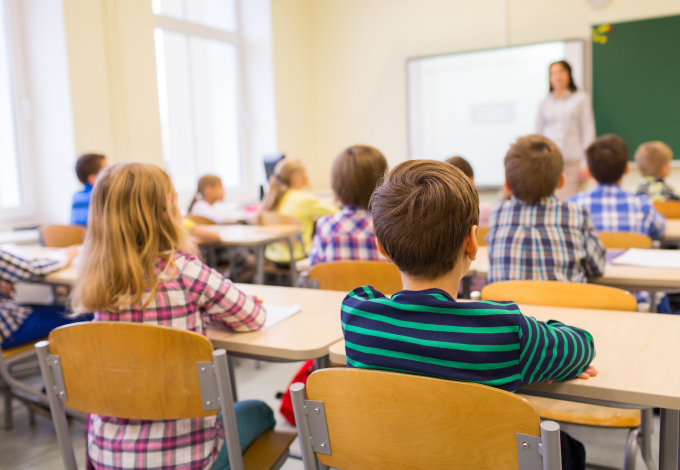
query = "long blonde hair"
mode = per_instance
[
  {"x": 203, "y": 183},
  {"x": 132, "y": 224},
  {"x": 280, "y": 182}
]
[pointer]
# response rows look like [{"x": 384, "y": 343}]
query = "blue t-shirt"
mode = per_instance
[{"x": 81, "y": 206}]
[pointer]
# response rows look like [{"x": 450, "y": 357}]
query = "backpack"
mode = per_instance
[{"x": 286, "y": 402}]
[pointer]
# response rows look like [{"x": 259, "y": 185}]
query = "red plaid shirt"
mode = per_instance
[{"x": 189, "y": 296}]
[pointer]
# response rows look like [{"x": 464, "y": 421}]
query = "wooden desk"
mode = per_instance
[
  {"x": 638, "y": 362},
  {"x": 672, "y": 231}
]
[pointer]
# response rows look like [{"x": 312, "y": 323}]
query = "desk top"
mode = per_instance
[
  {"x": 624, "y": 277},
  {"x": 305, "y": 335},
  {"x": 20, "y": 236},
  {"x": 637, "y": 356},
  {"x": 254, "y": 235}
]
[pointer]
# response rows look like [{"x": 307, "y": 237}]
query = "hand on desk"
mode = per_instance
[
  {"x": 71, "y": 252},
  {"x": 6, "y": 288},
  {"x": 591, "y": 371}
]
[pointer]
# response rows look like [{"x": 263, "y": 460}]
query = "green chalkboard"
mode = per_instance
[{"x": 636, "y": 81}]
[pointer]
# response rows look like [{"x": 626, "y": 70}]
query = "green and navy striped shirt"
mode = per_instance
[{"x": 428, "y": 332}]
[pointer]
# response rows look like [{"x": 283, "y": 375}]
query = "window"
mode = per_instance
[{"x": 200, "y": 90}]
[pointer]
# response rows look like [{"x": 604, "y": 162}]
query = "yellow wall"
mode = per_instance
[
  {"x": 113, "y": 78},
  {"x": 340, "y": 65}
]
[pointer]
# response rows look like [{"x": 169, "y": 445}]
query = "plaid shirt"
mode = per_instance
[
  {"x": 14, "y": 269},
  {"x": 345, "y": 236},
  {"x": 615, "y": 210},
  {"x": 546, "y": 240},
  {"x": 188, "y": 297},
  {"x": 656, "y": 189}
]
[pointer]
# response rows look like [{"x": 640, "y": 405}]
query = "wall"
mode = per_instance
[{"x": 340, "y": 64}]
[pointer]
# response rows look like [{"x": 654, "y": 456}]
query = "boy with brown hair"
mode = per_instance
[
  {"x": 654, "y": 163},
  {"x": 348, "y": 235},
  {"x": 611, "y": 208},
  {"x": 88, "y": 166},
  {"x": 425, "y": 217},
  {"x": 533, "y": 235}
]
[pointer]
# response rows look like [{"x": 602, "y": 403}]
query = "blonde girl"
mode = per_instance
[
  {"x": 210, "y": 191},
  {"x": 287, "y": 196},
  {"x": 136, "y": 267}
]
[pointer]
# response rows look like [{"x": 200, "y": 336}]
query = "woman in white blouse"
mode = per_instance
[{"x": 565, "y": 116}]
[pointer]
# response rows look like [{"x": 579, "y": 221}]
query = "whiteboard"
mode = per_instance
[{"x": 476, "y": 104}]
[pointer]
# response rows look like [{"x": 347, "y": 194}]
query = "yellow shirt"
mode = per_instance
[{"x": 305, "y": 208}]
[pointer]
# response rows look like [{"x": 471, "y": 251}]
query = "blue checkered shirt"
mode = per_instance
[
  {"x": 13, "y": 269},
  {"x": 615, "y": 210},
  {"x": 546, "y": 240}
]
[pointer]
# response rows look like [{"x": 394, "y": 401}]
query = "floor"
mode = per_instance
[{"x": 35, "y": 447}]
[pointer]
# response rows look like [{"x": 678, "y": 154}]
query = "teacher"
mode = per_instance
[{"x": 565, "y": 116}]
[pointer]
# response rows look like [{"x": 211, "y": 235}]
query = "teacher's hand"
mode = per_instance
[{"x": 583, "y": 174}]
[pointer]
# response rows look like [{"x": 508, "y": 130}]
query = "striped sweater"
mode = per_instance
[{"x": 428, "y": 332}]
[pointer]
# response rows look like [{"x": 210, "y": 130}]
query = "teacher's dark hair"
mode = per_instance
[{"x": 567, "y": 67}]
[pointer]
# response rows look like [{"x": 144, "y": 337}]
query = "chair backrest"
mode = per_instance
[
  {"x": 348, "y": 275},
  {"x": 481, "y": 233},
  {"x": 61, "y": 236},
  {"x": 104, "y": 364},
  {"x": 274, "y": 218},
  {"x": 669, "y": 209},
  {"x": 561, "y": 294},
  {"x": 200, "y": 220},
  {"x": 624, "y": 240},
  {"x": 383, "y": 420}
]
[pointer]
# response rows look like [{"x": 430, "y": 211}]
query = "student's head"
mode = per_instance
[
  {"x": 560, "y": 76},
  {"x": 424, "y": 213},
  {"x": 210, "y": 190},
  {"x": 533, "y": 168},
  {"x": 608, "y": 159},
  {"x": 134, "y": 220},
  {"x": 288, "y": 174},
  {"x": 355, "y": 174},
  {"x": 88, "y": 167},
  {"x": 654, "y": 159},
  {"x": 463, "y": 165}
]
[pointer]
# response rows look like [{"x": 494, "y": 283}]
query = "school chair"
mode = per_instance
[
  {"x": 360, "y": 419},
  {"x": 624, "y": 240},
  {"x": 200, "y": 220},
  {"x": 274, "y": 218},
  {"x": 348, "y": 275},
  {"x": 61, "y": 236},
  {"x": 669, "y": 209},
  {"x": 481, "y": 233},
  {"x": 16, "y": 363},
  {"x": 95, "y": 367},
  {"x": 592, "y": 296}
]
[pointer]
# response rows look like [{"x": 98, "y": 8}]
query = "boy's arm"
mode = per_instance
[
  {"x": 595, "y": 259},
  {"x": 14, "y": 268},
  {"x": 552, "y": 350},
  {"x": 656, "y": 222}
]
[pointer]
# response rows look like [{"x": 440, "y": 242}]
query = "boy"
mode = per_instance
[
  {"x": 88, "y": 167},
  {"x": 425, "y": 218},
  {"x": 484, "y": 207},
  {"x": 654, "y": 162},
  {"x": 611, "y": 208},
  {"x": 533, "y": 235}
]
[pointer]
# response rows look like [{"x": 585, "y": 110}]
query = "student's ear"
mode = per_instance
[
  {"x": 562, "y": 180},
  {"x": 627, "y": 170},
  {"x": 471, "y": 245},
  {"x": 665, "y": 170},
  {"x": 507, "y": 187},
  {"x": 381, "y": 250},
  {"x": 91, "y": 179}
]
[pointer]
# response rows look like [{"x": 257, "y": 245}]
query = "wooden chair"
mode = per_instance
[
  {"x": 61, "y": 236},
  {"x": 15, "y": 363},
  {"x": 669, "y": 209},
  {"x": 481, "y": 233},
  {"x": 624, "y": 240},
  {"x": 95, "y": 367},
  {"x": 566, "y": 294},
  {"x": 348, "y": 275},
  {"x": 200, "y": 220},
  {"x": 357, "y": 418}
]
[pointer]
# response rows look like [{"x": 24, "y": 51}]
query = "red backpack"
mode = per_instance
[{"x": 286, "y": 403}]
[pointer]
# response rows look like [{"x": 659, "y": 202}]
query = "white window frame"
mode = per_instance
[
  {"x": 26, "y": 214},
  {"x": 244, "y": 192}
]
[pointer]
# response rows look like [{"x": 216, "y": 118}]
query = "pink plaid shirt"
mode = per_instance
[
  {"x": 345, "y": 236},
  {"x": 188, "y": 297}
]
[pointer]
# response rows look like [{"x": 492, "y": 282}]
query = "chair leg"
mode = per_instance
[
  {"x": 631, "y": 449},
  {"x": 646, "y": 430},
  {"x": 7, "y": 410}
]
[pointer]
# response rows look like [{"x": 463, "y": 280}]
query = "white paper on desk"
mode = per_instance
[
  {"x": 277, "y": 313},
  {"x": 649, "y": 258}
]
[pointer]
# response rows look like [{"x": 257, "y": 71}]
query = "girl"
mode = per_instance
[
  {"x": 136, "y": 267},
  {"x": 210, "y": 191},
  {"x": 287, "y": 197}
]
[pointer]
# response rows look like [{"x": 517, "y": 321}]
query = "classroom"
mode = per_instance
[{"x": 339, "y": 234}]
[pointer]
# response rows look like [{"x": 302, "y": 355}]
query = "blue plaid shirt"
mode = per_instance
[
  {"x": 81, "y": 206},
  {"x": 615, "y": 210},
  {"x": 546, "y": 240}
]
